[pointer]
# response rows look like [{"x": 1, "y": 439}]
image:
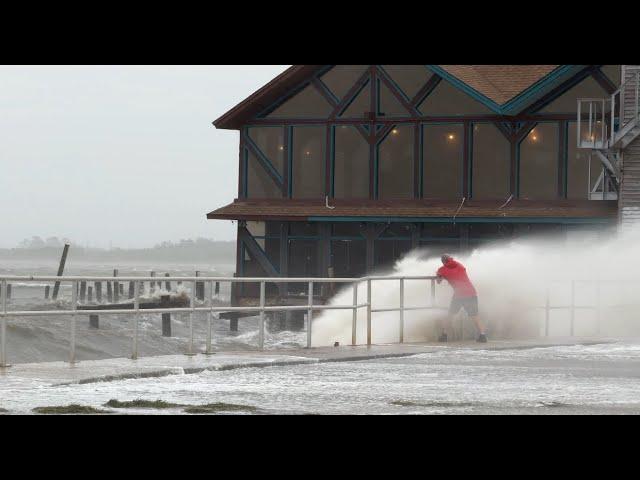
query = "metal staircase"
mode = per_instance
[{"x": 610, "y": 129}]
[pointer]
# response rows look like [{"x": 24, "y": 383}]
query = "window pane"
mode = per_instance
[
  {"x": 259, "y": 182},
  {"x": 309, "y": 103},
  {"x": 395, "y": 164},
  {"x": 578, "y": 168},
  {"x": 443, "y": 147},
  {"x": 351, "y": 167},
  {"x": 539, "y": 163},
  {"x": 360, "y": 106},
  {"x": 341, "y": 78},
  {"x": 613, "y": 72},
  {"x": 308, "y": 162},
  {"x": 270, "y": 141},
  {"x": 389, "y": 105},
  {"x": 410, "y": 78},
  {"x": 568, "y": 103},
  {"x": 349, "y": 258},
  {"x": 448, "y": 100},
  {"x": 491, "y": 162}
]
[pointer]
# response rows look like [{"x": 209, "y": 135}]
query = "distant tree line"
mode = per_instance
[{"x": 198, "y": 250}]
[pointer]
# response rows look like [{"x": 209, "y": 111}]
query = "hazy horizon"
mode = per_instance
[{"x": 121, "y": 156}]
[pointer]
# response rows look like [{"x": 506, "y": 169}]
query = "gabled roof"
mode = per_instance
[
  {"x": 506, "y": 89},
  {"x": 499, "y": 83}
]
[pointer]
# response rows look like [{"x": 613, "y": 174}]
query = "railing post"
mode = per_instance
[
  {"x": 74, "y": 306},
  {"x": 208, "y": 350},
  {"x": 546, "y": 313},
  {"x": 598, "y": 307},
  {"x": 368, "y": 312},
  {"x": 136, "y": 307},
  {"x": 433, "y": 293},
  {"x": 573, "y": 308},
  {"x": 354, "y": 320},
  {"x": 402, "y": 310},
  {"x": 613, "y": 119},
  {"x": 310, "y": 315},
  {"x": 3, "y": 325},
  {"x": 261, "y": 325},
  {"x": 579, "y": 127},
  {"x": 191, "y": 313}
]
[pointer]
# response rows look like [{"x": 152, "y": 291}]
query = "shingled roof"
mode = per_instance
[{"x": 499, "y": 85}]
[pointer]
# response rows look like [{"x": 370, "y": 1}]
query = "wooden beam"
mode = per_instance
[
  {"x": 604, "y": 81},
  {"x": 350, "y": 95},
  {"x": 431, "y": 84},
  {"x": 256, "y": 252},
  {"x": 396, "y": 93},
  {"x": 264, "y": 162}
]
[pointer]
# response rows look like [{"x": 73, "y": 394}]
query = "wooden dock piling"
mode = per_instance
[
  {"x": 47, "y": 290},
  {"x": 166, "y": 317},
  {"x": 116, "y": 287},
  {"x": 94, "y": 321},
  {"x": 90, "y": 294},
  {"x": 199, "y": 293},
  {"x": 8, "y": 291},
  {"x": 83, "y": 291},
  {"x": 131, "y": 290},
  {"x": 98, "y": 287},
  {"x": 63, "y": 260},
  {"x": 167, "y": 284},
  {"x": 109, "y": 292}
]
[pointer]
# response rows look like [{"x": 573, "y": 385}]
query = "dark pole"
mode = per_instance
[{"x": 63, "y": 260}]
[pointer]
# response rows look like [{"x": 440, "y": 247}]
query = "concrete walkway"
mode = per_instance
[{"x": 91, "y": 371}]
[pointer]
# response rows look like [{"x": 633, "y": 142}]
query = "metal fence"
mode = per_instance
[
  {"x": 261, "y": 309},
  {"x": 208, "y": 306}
]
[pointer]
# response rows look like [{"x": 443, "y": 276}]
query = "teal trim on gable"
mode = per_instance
[{"x": 522, "y": 100}]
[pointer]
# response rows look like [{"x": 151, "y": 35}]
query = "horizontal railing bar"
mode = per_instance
[
  {"x": 396, "y": 309},
  {"x": 183, "y": 279}
]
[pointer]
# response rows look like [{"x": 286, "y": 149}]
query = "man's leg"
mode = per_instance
[{"x": 479, "y": 324}]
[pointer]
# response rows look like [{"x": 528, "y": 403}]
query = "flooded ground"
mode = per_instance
[{"x": 599, "y": 379}]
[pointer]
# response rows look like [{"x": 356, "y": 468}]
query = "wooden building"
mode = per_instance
[{"x": 344, "y": 168}]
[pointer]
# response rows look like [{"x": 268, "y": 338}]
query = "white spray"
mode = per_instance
[{"x": 510, "y": 278}]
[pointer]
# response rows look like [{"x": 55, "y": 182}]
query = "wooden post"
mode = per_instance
[
  {"x": 83, "y": 291},
  {"x": 152, "y": 285},
  {"x": 116, "y": 288},
  {"x": 98, "y": 286},
  {"x": 121, "y": 285},
  {"x": 63, "y": 260},
  {"x": 90, "y": 294},
  {"x": 47, "y": 289},
  {"x": 109, "y": 292},
  {"x": 217, "y": 290},
  {"x": 166, "y": 317},
  {"x": 167, "y": 284},
  {"x": 8, "y": 291},
  {"x": 199, "y": 293},
  {"x": 94, "y": 321},
  {"x": 131, "y": 289}
]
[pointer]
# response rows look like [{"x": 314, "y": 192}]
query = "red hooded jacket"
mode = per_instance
[{"x": 455, "y": 273}]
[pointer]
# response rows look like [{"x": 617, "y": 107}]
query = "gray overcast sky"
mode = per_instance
[{"x": 122, "y": 154}]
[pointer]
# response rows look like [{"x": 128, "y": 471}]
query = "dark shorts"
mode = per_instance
[{"x": 470, "y": 304}]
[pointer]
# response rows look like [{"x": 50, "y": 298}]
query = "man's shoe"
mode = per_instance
[
  {"x": 443, "y": 338},
  {"x": 482, "y": 338}
]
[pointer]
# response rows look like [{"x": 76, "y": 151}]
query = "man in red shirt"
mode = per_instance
[{"x": 464, "y": 294}]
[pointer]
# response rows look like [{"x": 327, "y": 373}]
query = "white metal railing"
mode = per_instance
[
  {"x": 593, "y": 118},
  {"x": 209, "y": 307},
  {"x": 602, "y": 122},
  {"x": 627, "y": 98}
]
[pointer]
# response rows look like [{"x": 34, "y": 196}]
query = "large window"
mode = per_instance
[
  {"x": 341, "y": 78},
  {"x": 568, "y": 102},
  {"x": 259, "y": 183},
  {"x": 270, "y": 141},
  {"x": 309, "y": 103},
  {"x": 308, "y": 162},
  {"x": 539, "y": 163},
  {"x": 491, "y": 172},
  {"x": 351, "y": 163},
  {"x": 443, "y": 150},
  {"x": 395, "y": 164},
  {"x": 578, "y": 159},
  {"x": 447, "y": 100},
  {"x": 409, "y": 78}
]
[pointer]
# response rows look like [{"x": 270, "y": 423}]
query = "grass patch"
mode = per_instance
[
  {"x": 70, "y": 409},
  {"x": 404, "y": 403},
  {"x": 219, "y": 407},
  {"x": 156, "y": 404}
]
